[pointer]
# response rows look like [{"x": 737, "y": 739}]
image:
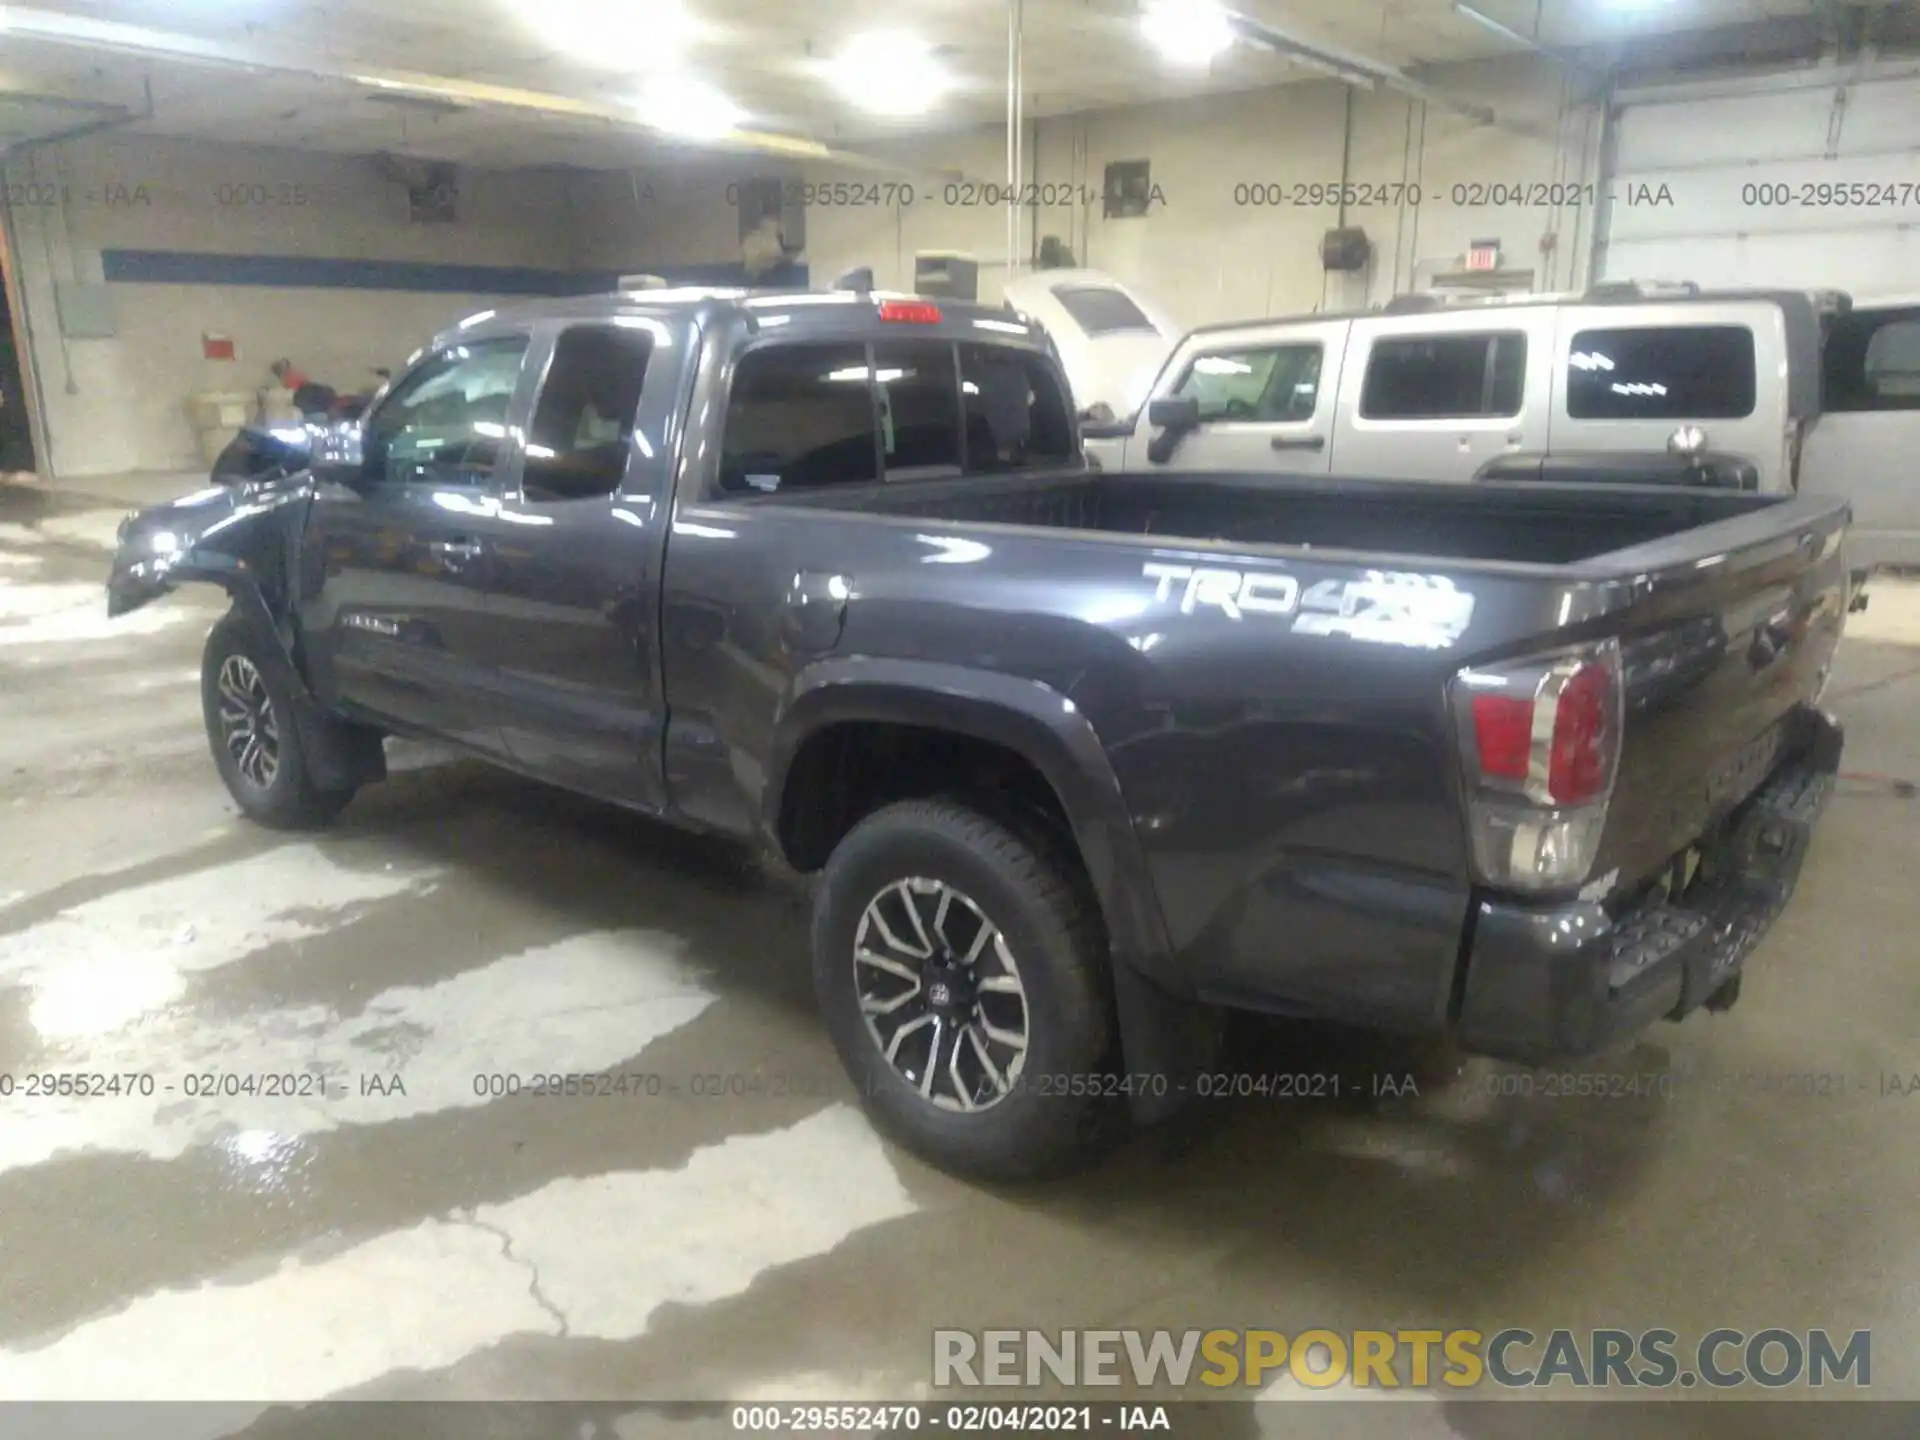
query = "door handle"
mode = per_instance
[
  {"x": 1298, "y": 442},
  {"x": 457, "y": 549}
]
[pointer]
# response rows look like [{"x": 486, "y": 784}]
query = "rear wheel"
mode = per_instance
[
  {"x": 255, "y": 738},
  {"x": 960, "y": 968}
]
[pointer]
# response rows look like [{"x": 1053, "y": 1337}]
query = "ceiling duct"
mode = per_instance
[{"x": 1362, "y": 71}]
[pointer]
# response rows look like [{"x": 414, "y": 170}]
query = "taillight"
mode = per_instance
[
  {"x": 1540, "y": 744},
  {"x": 910, "y": 312},
  {"x": 1584, "y": 739},
  {"x": 1503, "y": 735}
]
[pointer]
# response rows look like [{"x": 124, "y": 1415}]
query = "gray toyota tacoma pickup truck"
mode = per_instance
[{"x": 1076, "y": 761}]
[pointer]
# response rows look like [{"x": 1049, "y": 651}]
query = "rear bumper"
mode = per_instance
[{"x": 1555, "y": 982}]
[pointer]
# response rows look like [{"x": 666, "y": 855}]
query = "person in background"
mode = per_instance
[{"x": 308, "y": 398}]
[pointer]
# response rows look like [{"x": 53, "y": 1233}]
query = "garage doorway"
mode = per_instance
[
  {"x": 1800, "y": 181},
  {"x": 18, "y": 452}
]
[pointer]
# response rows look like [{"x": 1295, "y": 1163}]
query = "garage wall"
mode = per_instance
[
  {"x": 118, "y": 403},
  {"x": 1212, "y": 251},
  {"x": 1734, "y": 183},
  {"x": 677, "y": 215},
  {"x": 1206, "y": 253}
]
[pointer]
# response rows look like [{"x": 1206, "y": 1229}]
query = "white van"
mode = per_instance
[{"x": 1756, "y": 390}]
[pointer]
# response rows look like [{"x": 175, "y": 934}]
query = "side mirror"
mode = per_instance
[
  {"x": 339, "y": 453},
  {"x": 1174, "y": 412},
  {"x": 1098, "y": 422},
  {"x": 1176, "y": 416}
]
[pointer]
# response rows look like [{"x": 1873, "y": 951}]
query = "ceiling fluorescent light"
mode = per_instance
[
  {"x": 639, "y": 36},
  {"x": 1188, "y": 32},
  {"x": 890, "y": 74},
  {"x": 681, "y": 105}
]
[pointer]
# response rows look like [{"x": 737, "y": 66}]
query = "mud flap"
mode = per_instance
[{"x": 1166, "y": 1042}]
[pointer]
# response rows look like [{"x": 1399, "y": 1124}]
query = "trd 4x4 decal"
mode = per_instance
[{"x": 1389, "y": 607}]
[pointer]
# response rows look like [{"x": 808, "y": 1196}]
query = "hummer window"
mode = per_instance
[
  {"x": 1445, "y": 377},
  {"x": 1872, "y": 361},
  {"x": 1661, "y": 372},
  {"x": 1276, "y": 383}
]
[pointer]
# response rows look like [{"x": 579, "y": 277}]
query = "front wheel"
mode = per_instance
[
  {"x": 961, "y": 970},
  {"x": 255, "y": 738}
]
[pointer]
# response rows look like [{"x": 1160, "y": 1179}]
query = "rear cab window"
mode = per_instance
[
  {"x": 1016, "y": 413},
  {"x": 1450, "y": 376},
  {"x": 804, "y": 416},
  {"x": 1661, "y": 372},
  {"x": 800, "y": 417}
]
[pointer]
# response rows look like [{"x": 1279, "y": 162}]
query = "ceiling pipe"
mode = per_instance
[
  {"x": 1507, "y": 32},
  {"x": 58, "y": 28},
  {"x": 1363, "y": 71},
  {"x": 1354, "y": 68},
  {"x": 1573, "y": 65},
  {"x": 105, "y": 117}
]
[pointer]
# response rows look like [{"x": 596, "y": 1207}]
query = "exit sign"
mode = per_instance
[{"x": 1483, "y": 255}]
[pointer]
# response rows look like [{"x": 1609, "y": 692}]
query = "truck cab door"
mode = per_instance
[
  {"x": 395, "y": 556},
  {"x": 1862, "y": 445},
  {"x": 1256, "y": 400},
  {"x": 573, "y": 619},
  {"x": 1436, "y": 396}
]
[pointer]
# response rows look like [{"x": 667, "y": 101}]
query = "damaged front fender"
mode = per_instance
[
  {"x": 242, "y": 538},
  {"x": 246, "y": 539}
]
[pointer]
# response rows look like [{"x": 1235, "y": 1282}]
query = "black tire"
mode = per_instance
[
  {"x": 280, "y": 795},
  {"x": 1040, "y": 904}
]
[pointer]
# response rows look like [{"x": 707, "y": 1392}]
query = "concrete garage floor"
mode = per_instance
[{"x": 458, "y": 923}]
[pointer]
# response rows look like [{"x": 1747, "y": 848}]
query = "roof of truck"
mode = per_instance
[
  {"x": 709, "y": 299},
  {"x": 816, "y": 314},
  {"x": 1624, "y": 294}
]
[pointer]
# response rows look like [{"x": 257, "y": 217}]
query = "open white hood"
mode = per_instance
[{"x": 1112, "y": 340}]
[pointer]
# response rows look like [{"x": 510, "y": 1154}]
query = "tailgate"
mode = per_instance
[{"x": 1732, "y": 629}]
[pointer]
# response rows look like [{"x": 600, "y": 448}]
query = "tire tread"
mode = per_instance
[
  {"x": 1057, "y": 1134},
  {"x": 293, "y": 803}
]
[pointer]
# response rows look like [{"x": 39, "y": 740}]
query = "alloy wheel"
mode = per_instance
[
  {"x": 248, "y": 726},
  {"x": 941, "y": 994}
]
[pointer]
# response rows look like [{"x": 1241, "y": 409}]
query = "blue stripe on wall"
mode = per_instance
[{"x": 185, "y": 267}]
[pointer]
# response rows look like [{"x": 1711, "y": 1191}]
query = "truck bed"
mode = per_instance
[{"x": 1535, "y": 525}]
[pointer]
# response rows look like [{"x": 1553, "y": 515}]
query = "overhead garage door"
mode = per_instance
[{"x": 1799, "y": 181}]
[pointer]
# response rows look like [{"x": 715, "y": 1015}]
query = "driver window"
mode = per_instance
[
  {"x": 1273, "y": 383},
  {"x": 450, "y": 415}
]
